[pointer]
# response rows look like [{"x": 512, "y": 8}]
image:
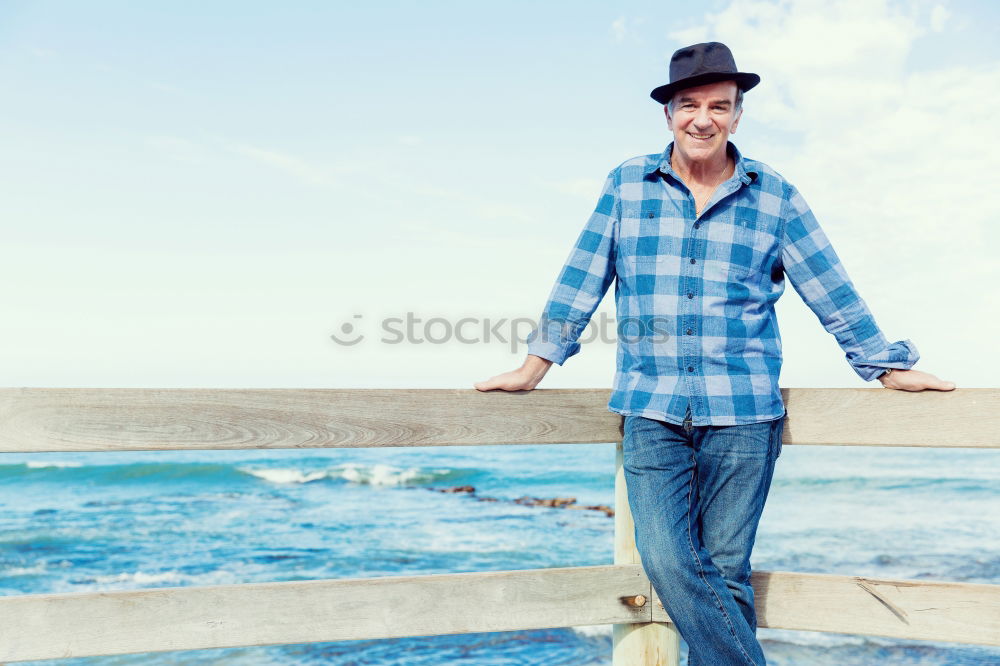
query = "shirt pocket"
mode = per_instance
[
  {"x": 737, "y": 246},
  {"x": 645, "y": 240}
]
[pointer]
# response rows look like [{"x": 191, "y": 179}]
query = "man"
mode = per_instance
[{"x": 700, "y": 239}]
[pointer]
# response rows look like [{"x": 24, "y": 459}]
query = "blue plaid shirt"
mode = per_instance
[{"x": 695, "y": 294}]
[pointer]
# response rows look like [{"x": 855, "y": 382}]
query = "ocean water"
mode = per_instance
[{"x": 75, "y": 522}]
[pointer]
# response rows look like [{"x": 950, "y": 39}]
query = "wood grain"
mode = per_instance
[
  {"x": 96, "y": 419},
  {"x": 47, "y": 626},
  {"x": 923, "y": 610}
]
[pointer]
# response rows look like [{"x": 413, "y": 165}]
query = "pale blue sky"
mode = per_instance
[{"x": 198, "y": 194}]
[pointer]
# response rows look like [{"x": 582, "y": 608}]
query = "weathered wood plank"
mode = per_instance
[
  {"x": 886, "y": 417},
  {"x": 147, "y": 419},
  {"x": 921, "y": 610},
  {"x": 89, "y": 419},
  {"x": 45, "y": 626}
]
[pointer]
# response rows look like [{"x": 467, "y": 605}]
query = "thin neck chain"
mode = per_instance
[
  {"x": 725, "y": 169},
  {"x": 711, "y": 190}
]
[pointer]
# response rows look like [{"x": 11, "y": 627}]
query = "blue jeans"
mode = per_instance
[{"x": 696, "y": 494}]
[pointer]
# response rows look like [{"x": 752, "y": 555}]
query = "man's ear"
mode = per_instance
[
  {"x": 739, "y": 114},
  {"x": 666, "y": 112}
]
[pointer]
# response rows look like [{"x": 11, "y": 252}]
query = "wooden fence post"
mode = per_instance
[{"x": 641, "y": 644}]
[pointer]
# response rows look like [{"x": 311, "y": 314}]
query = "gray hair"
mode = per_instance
[{"x": 736, "y": 107}]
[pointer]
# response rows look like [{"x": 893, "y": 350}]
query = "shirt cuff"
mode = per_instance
[
  {"x": 547, "y": 342},
  {"x": 900, "y": 355}
]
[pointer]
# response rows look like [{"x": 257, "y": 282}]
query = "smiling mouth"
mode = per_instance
[{"x": 701, "y": 137}]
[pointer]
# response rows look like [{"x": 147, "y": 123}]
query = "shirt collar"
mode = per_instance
[{"x": 742, "y": 172}]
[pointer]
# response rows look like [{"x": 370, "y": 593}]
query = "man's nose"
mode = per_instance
[{"x": 701, "y": 119}]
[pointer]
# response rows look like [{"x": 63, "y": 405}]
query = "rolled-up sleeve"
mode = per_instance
[
  {"x": 582, "y": 282},
  {"x": 815, "y": 271}
]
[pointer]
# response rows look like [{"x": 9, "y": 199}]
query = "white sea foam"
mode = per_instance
[
  {"x": 381, "y": 474},
  {"x": 38, "y": 464},
  {"x": 285, "y": 475},
  {"x": 593, "y": 630},
  {"x": 140, "y": 577},
  {"x": 442, "y": 537},
  {"x": 41, "y": 567},
  {"x": 378, "y": 474}
]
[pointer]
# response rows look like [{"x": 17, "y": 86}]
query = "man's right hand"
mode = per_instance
[{"x": 524, "y": 378}]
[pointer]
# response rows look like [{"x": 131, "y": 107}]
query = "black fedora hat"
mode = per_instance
[{"x": 699, "y": 64}]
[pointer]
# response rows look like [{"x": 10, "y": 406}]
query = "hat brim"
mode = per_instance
[{"x": 745, "y": 81}]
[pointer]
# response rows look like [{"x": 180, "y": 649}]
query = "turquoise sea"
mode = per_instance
[{"x": 75, "y": 522}]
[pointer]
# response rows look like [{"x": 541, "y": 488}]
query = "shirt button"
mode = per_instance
[
  {"x": 692, "y": 260},
  {"x": 689, "y": 331},
  {"x": 650, "y": 215},
  {"x": 690, "y": 295},
  {"x": 690, "y": 369},
  {"x": 697, "y": 224}
]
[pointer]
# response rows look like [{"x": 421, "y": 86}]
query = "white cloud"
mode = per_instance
[
  {"x": 890, "y": 143},
  {"x": 939, "y": 15},
  {"x": 618, "y": 29},
  {"x": 177, "y": 148},
  {"x": 301, "y": 169},
  {"x": 626, "y": 29}
]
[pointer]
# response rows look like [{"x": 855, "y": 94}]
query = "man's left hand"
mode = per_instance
[{"x": 914, "y": 380}]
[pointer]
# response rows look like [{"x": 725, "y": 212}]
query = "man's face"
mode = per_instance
[{"x": 703, "y": 119}]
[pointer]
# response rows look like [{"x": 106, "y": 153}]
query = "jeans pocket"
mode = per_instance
[{"x": 778, "y": 432}]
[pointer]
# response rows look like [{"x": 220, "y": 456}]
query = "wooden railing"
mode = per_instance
[{"x": 45, "y": 626}]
